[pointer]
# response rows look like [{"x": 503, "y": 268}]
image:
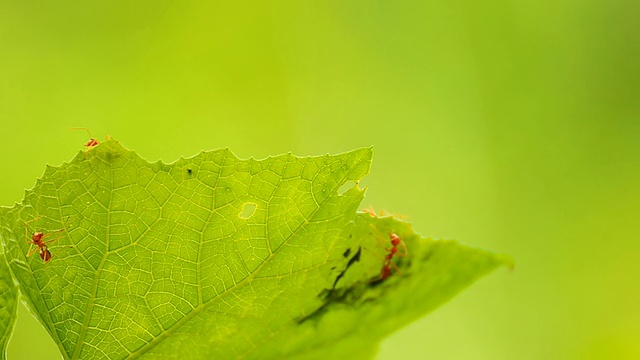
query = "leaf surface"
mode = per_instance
[{"x": 218, "y": 257}]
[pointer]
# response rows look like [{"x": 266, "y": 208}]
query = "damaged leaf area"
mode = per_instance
[
  {"x": 219, "y": 257},
  {"x": 363, "y": 308}
]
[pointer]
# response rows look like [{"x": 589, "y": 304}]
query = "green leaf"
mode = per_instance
[
  {"x": 8, "y": 304},
  {"x": 218, "y": 257}
]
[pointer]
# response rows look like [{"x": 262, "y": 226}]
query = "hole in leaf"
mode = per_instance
[
  {"x": 346, "y": 187},
  {"x": 248, "y": 210}
]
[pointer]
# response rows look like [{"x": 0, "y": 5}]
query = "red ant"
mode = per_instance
[
  {"x": 92, "y": 141},
  {"x": 385, "y": 272},
  {"x": 37, "y": 238}
]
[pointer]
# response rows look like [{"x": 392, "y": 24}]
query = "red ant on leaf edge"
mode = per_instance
[
  {"x": 38, "y": 239},
  {"x": 395, "y": 240},
  {"x": 93, "y": 142},
  {"x": 387, "y": 263}
]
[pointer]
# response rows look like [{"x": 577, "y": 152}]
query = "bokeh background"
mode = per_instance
[{"x": 509, "y": 125}]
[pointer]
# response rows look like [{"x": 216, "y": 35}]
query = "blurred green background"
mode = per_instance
[{"x": 509, "y": 125}]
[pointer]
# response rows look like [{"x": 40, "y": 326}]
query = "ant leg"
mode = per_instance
[
  {"x": 379, "y": 235},
  {"x": 32, "y": 220},
  {"x": 31, "y": 250},
  {"x": 57, "y": 253},
  {"x": 26, "y": 233},
  {"x": 396, "y": 267},
  {"x": 54, "y": 240},
  {"x": 26, "y": 227},
  {"x": 82, "y": 128},
  {"x": 405, "y": 251},
  {"x": 376, "y": 255}
]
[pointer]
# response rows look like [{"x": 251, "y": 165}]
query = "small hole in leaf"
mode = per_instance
[
  {"x": 248, "y": 210},
  {"x": 346, "y": 187}
]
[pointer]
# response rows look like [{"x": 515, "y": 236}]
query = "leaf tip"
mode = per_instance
[{"x": 507, "y": 261}]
